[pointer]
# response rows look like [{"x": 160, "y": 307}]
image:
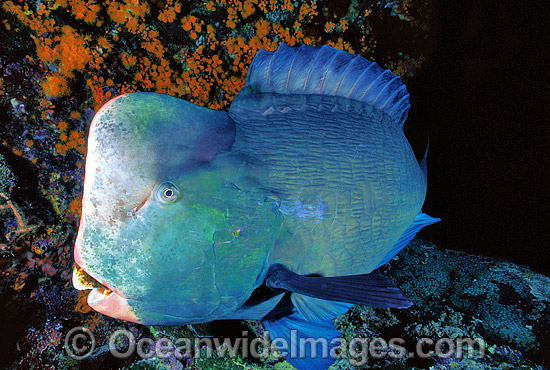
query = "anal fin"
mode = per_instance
[{"x": 305, "y": 345}]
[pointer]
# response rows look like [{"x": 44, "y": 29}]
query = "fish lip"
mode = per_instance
[
  {"x": 112, "y": 304},
  {"x": 97, "y": 295}
]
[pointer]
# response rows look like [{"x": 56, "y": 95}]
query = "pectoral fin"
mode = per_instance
[{"x": 374, "y": 289}]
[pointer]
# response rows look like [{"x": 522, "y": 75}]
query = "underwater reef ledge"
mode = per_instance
[
  {"x": 504, "y": 307},
  {"x": 459, "y": 295}
]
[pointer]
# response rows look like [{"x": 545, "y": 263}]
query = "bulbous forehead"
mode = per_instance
[
  {"x": 163, "y": 123},
  {"x": 138, "y": 140}
]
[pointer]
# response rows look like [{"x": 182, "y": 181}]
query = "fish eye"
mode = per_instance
[{"x": 166, "y": 193}]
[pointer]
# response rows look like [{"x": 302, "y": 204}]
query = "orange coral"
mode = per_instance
[
  {"x": 86, "y": 11},
  {"x": 74, "y": 115},
  {"x": 344, "y": 24},
  {"x": 307, "y": 11},
  {"x": 61, "y": 148},
  {"x": 170, "y": 11},
  {"x": 248, "y": 8},
  {"x": 329, "y": 27},
  {"x": 116, "y": 12},
  {"x": 27, "y": 17},
  {"x": 210, "y": 74},
  {"x": 73, "y": 53},
  {"x": 55, "y": 86},
  {"x": 191, "y": 24},
  {"x": 75, "y": 140},
  {"x": 263, "y": 28},
  {"x": 342, "y": 45},
  {"x": 103, "y": 43},
  {"x": 129, "y": 13},
  {"x": 138, "y": 9},
  {"x": 210, "y": 6},
  {"x": 60, "y": 3},
  {"x": 75, "y": 207},
  {"x": 62, "y": 125},
  {"x": 45, "y": 52},
  {"x": 128, "y": 60},
  {"x": 155, "y": 47}
]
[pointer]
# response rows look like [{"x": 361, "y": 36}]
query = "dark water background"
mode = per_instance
[{"x": 482, "y": 97}]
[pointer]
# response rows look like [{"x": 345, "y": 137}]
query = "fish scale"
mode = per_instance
[{"x": 341, "y": 125}]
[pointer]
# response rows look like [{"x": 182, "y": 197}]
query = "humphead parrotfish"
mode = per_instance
[{"x": 278, "y": 210}]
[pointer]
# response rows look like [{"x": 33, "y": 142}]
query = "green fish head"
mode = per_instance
[{"x": 172, "y": 227}]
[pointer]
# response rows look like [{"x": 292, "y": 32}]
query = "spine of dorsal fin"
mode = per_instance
[{"x": 328, "y": 71}]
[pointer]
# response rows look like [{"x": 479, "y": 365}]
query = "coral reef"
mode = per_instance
[
  {"x": 457, "y": 295},
  {"x": 7, "y": 178}
]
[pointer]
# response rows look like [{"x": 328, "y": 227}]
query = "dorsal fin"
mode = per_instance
[{"x": 308, "y": 70}]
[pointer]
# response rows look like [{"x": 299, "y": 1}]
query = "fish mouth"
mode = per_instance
[
  {"x": 98, "y": 295},
  {"x": 83, "y": 278},
  {"x": 102, "y": 299},
  {"x": 83, "y": 281},
  {"x": 111, "y": 304}
]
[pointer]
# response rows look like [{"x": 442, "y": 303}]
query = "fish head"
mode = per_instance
[{"x": 164, "y": 230}]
